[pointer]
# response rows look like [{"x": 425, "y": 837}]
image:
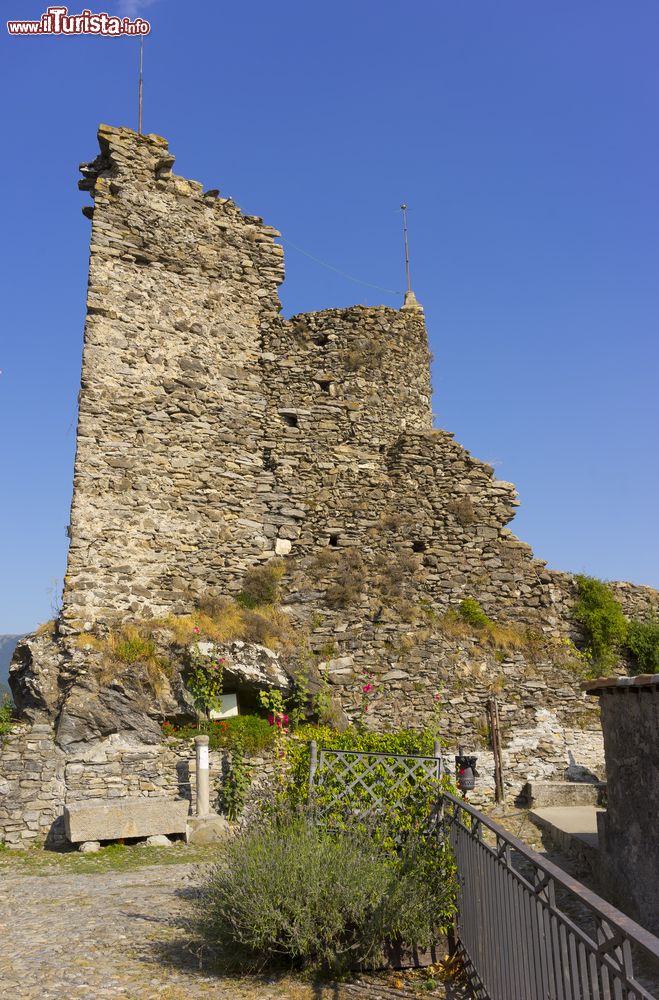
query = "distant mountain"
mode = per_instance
[{"x": 7, "y": 647}]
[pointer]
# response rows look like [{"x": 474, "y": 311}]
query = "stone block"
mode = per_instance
[
  {"x": 104, "y": 819},
  {"x": 90, "y": 847},
  {"x": 159, "y": 840},
  {"x": 206, "y": 829}
]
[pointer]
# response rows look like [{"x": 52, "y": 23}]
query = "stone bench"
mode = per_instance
[{"x": 116, "y": 819}]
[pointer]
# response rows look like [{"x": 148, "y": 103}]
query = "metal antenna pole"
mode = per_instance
[
  {"x": 139, "y": 104},
  {"x": 407, "y": 249}
]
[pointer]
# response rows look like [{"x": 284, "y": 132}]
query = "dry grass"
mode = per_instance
[
  {"x": 130, "y": 646},
  {"x": 506, "y": 637},
  {"x": 228, "y": 620},
  {"x": 46, "y": 628},
  {"x": 463, "y": 510}
]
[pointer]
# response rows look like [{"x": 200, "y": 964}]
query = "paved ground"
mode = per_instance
[
  {"x": 100, "y": 934},
  {"x": 568, "y": 823}
]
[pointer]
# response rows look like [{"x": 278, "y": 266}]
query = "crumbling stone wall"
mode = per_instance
[
  {"x": 37, "y": 779},
  {"x": 169, "y": 450},
  {"x": 213, "y": 434}
]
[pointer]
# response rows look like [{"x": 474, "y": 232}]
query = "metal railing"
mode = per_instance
[{"x": 526, "y": 930}]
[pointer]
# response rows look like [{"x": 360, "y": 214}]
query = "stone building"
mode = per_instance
[
  {"x": 215, "y": 435},
  {"x": 628, "y": 841}
]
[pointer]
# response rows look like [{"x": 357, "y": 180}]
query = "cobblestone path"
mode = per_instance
[{"x": 121, "y": 935}]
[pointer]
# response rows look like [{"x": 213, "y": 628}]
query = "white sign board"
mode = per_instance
[{"x": 229, "y": 707}]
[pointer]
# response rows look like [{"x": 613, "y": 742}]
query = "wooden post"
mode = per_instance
[{"x": 493, "y": 711}]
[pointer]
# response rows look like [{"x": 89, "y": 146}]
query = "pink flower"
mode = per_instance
[
  {"x": 196, "y": 630},
  {"x": 367, "y": 687},
  {"x": 366, "y": 708},
  {"x": 271, "y": 719},
  {"x": 438, "y": 696}
]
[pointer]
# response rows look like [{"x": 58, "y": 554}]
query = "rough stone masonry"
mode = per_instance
[{"x": 215, "y": 435}]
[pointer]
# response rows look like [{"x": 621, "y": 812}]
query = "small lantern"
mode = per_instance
[{"x": 465, "y": 771}]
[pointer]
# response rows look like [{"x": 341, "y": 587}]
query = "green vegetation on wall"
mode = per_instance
[
  {"x": 5, "y": 717},
  {"x": 609, "y": 635},
  {"x": 643, "y": 643}
]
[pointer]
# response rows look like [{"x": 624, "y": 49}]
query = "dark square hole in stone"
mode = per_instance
[
  {"x": 418, "y": 546},
  {"x": 334, "y": 540},
  {"x": 321, "y": 340},
  {"x": 290, "y": 419},
  {"x": 324, "y": 386}
]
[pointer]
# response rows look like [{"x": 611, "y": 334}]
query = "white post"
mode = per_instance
[{"x": 203, "y": 782}]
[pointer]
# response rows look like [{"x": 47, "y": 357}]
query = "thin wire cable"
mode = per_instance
[{"x": 344, "y": 274}]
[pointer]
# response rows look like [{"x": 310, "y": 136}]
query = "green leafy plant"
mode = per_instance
[
  {"x": 5, "y": 717},
  {"x": 235, "y": 786},
  {"x": 603, "y": 622},
  {"x": 286, "y": 892},
  {"x": 402, "y": 799},
  {"x": 205, "y": 679},
  {"x": 642, "y": 640},
  {"x": 471, "y": 612},
  {"x": 251, "y": 732},
  {"x": 273, "y": 702}
]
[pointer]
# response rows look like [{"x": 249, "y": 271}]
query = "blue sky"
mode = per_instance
[{"x": 523, "y": 136}]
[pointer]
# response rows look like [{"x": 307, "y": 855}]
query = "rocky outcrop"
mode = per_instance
[
  {"x": 86, "y": 696},
  {"x": 249, "y": 667},
  {"x": 35, "y": 676}
]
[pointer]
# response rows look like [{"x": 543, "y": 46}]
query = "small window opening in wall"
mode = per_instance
[
  {"x": 321, "y": 340},
  {"x": 418, "y": 546},
  {"x": 334, "y": 539},
  {"x": 381, "y": 448},
  {"x": 324, "y": 386},
  {"x": 290, "y": 419}
]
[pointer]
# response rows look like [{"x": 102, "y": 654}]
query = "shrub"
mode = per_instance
[
  {"x": 471, "y": 612},
  {"x": 235, "y": 783},
  {"x": 262, "y": 584},
  {"x": 226, "y": 620},
  {"x": 463, "y": 510},
  {"x": 643, "y": 643},
  {"x": 5, "y": 716},
  {"x": 289, "y": 893},
  {"x": 350, "y": 579},
  {"x": 603, "y": 621}
]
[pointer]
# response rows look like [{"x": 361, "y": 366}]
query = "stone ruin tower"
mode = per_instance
[
  {"x": 209, "y": 427},
  {"x": 215, "y": 435}
]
